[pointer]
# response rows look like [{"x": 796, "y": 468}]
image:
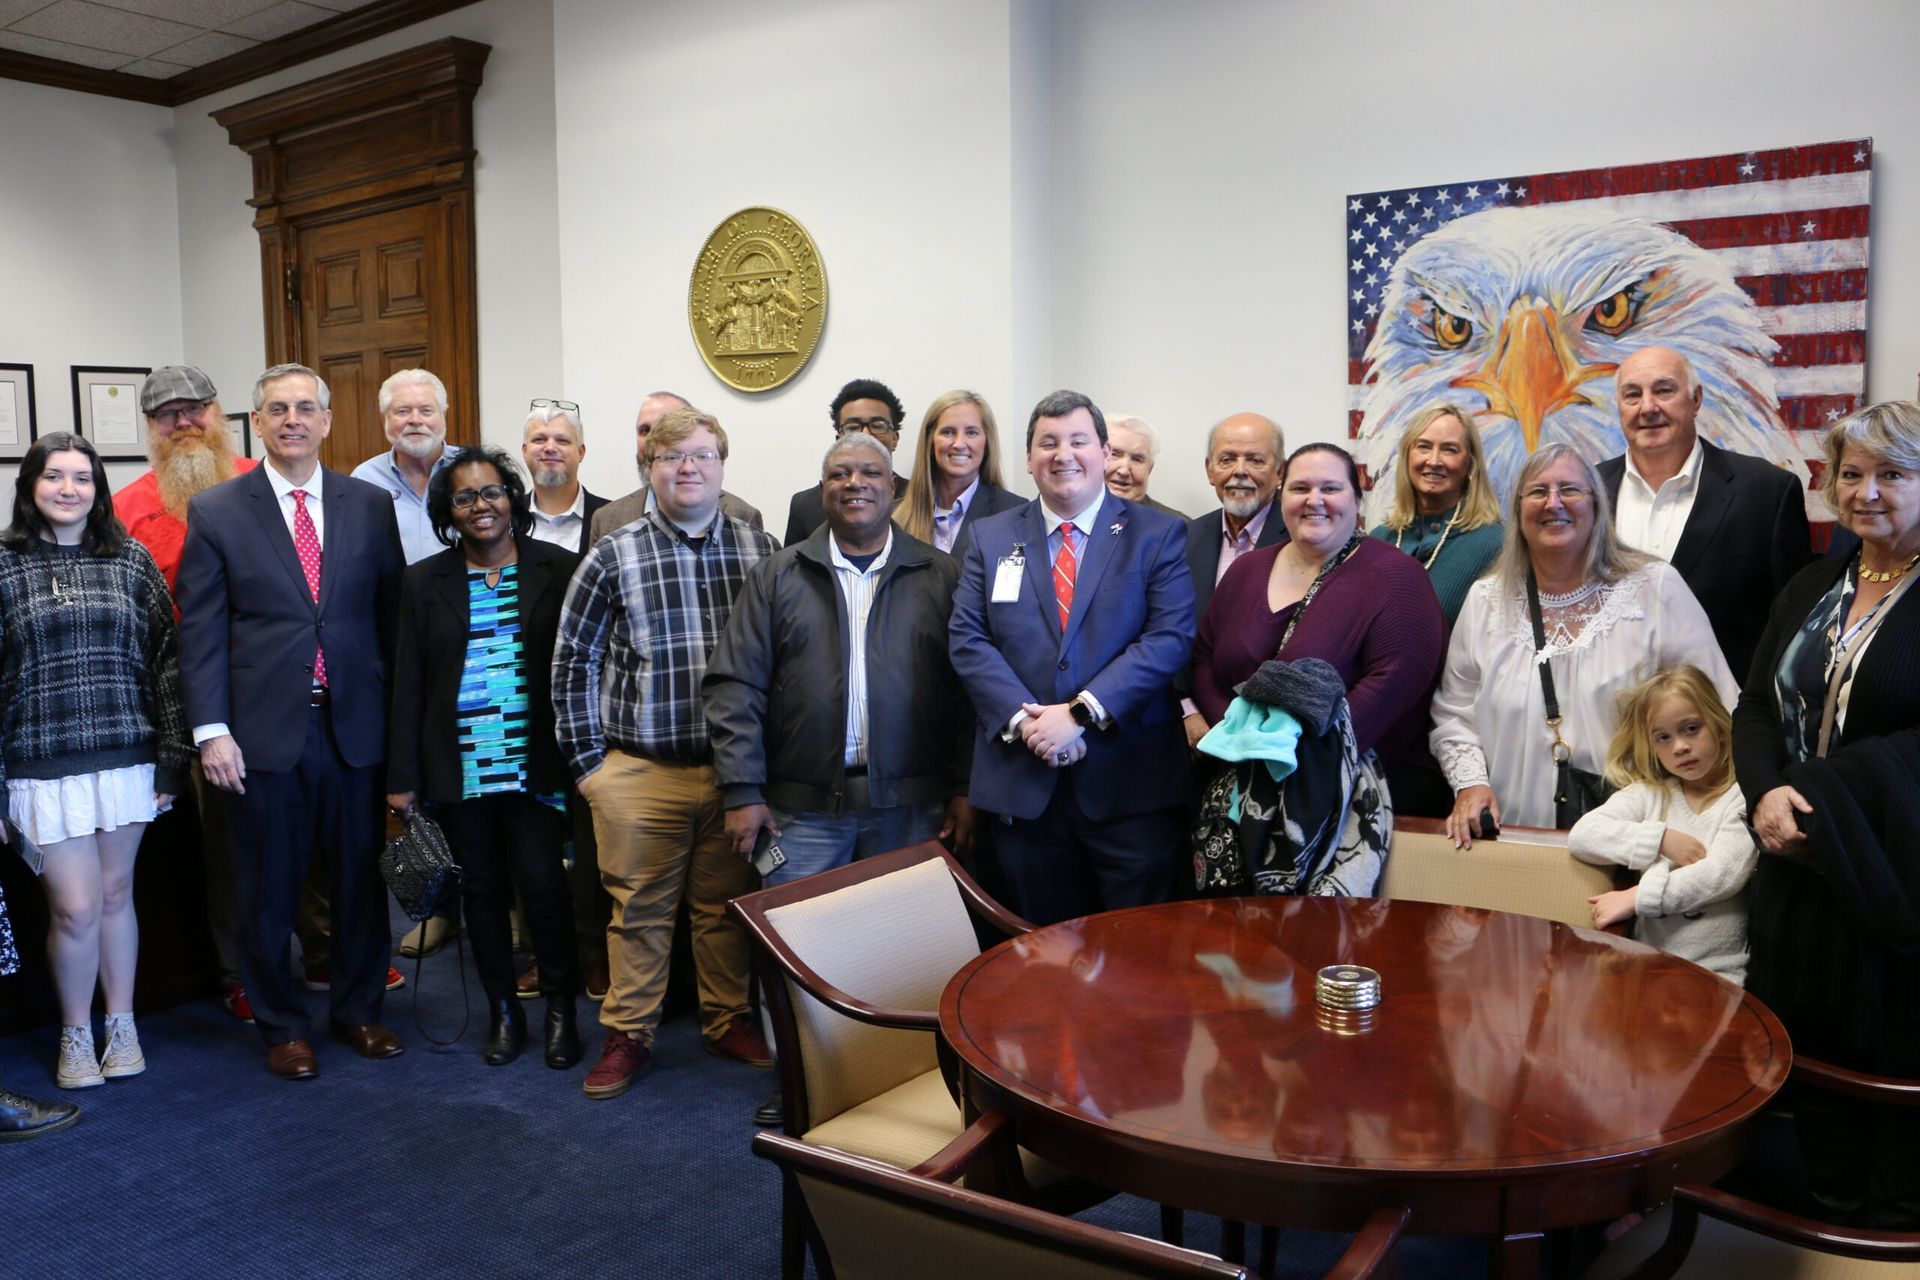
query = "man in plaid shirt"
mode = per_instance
[{"x": 642, "y": 615}]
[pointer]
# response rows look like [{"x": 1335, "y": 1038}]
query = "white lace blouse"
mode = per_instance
[{"x": 1489, "y": 716}]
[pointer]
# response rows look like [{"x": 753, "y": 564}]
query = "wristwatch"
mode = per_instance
[{"x": 1082, "y": 713}]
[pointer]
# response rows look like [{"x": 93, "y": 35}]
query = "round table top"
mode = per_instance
[{"x": 1501, "y": 1042}]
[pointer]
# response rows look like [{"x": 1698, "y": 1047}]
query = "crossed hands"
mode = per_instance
[{"x": 1052, "y": 733}]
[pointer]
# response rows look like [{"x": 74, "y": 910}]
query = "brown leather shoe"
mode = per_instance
[
  {"x": 293, "y": 1060},
  {"x": 370, "y": 1041}
]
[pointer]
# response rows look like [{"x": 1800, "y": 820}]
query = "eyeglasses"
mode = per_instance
[
  {"x": 1571, "y": 494},
  {"x": 305, "y": 408},
  {"x": 168, "y": 417},
  {"x": 486, "y": 492},
  {"x": 568, "y": 405},
  {"x": 674, "y": 457},
  {"x": 872, "y": 426}
]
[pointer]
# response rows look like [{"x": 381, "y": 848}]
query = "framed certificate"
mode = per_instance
[
  {"x": 18, "y": 427},
  {"x": 106, "y": 410},
  {"x": 240, "y": 427}
]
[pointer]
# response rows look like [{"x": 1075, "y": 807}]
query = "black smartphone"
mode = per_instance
[{"x": 768, "y": 856}]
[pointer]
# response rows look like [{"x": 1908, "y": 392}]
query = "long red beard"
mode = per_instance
[{"x": 186, "y": 463}]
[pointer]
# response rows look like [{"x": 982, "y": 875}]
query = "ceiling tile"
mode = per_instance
[
  {"x": 12, "y": 10},
  {"x": 280, "y": 20},
  {"x": 154, "y": 69},
  {"x": 198, "y": 13},
  {"x": 79, "y": 54},
  {"x": 205, "y": 47},
  {"x": 97, "y": 27},
  {"x": 341, "y": 6}
]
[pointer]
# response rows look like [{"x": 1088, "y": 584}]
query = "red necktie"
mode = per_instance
[
  {"x": 306, "y": 541},
  {"x": 1065, "y": 566}
]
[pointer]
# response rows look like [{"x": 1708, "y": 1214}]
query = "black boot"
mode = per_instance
[
  {"x": 563, "y": 1038},
  {"x": 508, "y": 1033},
  {"x": 22, "y": 1118}
]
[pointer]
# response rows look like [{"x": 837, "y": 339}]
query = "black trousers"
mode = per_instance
[
  {"x": 503, "y": 841},
  {"x": 592, "y": 904},
  {"x": 321, "y": 804},
  {"x": 1064, "y": 864}
]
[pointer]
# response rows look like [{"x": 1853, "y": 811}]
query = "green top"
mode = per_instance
[{"x": 1466, "y": 556}]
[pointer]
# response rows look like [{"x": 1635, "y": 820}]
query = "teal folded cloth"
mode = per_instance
[{"x": 1255, "y": 731}]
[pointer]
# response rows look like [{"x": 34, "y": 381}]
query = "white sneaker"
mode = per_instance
[
  {"x": 123, "y": 1056},
  {"x": 77, "y": 1069}
]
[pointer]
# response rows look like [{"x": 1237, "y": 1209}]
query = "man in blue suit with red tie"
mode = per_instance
[
  {"x": 288, "y": 587},
  {"x": 1073, "y": 615}
]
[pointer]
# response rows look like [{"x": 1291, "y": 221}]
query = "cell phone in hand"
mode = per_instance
[
  {"x": 768, "y": 856},
  {"x": 1489, "y": 829}
]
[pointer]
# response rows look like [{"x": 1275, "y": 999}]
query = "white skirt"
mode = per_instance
[{"x": 50, "y": 810}]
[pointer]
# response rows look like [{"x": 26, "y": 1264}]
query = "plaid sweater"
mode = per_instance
[{"x": 89, "y": 666}]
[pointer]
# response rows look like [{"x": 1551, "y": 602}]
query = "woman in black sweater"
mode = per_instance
[
  {"x": 93, "y": 739},
  {"x": 1825, "y": 748}
]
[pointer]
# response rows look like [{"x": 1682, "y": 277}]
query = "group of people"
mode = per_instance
[{"x": 614, "y": 706}]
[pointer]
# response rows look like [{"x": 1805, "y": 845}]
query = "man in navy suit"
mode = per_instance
[
  {"x": 1073, "y": 615},
  {"x": 288, "y": 587}
]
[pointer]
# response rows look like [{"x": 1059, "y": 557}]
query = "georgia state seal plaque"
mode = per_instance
[{"x": 758, "y": 299}]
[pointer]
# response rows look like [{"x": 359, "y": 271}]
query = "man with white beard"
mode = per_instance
[{"x": 413, "y": 411}]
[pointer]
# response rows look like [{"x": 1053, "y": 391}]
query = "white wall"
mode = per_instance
[
  {"x": 882, "y": 127},
  {"x": 1201, "y": 153},
  {"x": 91, "y": 269},
  {"x": 515, "y": 204}
]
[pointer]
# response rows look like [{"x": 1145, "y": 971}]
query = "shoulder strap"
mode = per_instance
[
  {"x": 1313, "y": 589},
  {"x": 1561, "y": 752}
]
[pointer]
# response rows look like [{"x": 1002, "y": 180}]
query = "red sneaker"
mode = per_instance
[
  {"x": 322, "y": 979},
  {"x": 622, "y": 1057},
  {"x": 743, "y": 1042},
  {"x": 235, "y": 998}
]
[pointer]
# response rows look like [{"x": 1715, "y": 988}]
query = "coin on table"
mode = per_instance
[{"x": 758, "y": 299}]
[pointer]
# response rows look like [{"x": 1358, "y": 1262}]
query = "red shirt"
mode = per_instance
[{"x": 139, "y": 508}]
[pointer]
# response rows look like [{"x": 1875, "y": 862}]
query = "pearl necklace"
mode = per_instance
[
  {"x": 1427, "y": 564},
  {"x": 1887, "y": 575}
]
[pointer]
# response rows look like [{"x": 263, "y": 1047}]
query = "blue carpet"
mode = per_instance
[{"x": 432, "y": 1164}]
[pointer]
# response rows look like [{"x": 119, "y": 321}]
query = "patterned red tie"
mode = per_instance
[
  {"x": 1065, "y": 566},
  {"x": 306, "y": 541}
]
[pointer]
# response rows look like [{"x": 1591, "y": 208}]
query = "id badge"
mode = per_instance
[{"x": 1006, "y": 579}]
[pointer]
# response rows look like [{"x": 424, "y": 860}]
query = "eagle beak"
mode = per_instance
[{"x": 1533, "y": 370}]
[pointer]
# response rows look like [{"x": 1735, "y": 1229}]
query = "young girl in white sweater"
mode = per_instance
[{"x": 1679, "y": 820}]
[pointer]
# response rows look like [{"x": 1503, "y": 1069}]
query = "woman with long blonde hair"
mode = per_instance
[
  {"x": 956, "y": 472},
  {"x": 1445, "y": 513}
]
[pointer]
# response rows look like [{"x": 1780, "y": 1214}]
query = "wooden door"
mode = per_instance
[{"x": 366, "y": 298}]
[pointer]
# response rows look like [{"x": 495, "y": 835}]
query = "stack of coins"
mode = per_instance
[{"x": 1347, "y": 988}]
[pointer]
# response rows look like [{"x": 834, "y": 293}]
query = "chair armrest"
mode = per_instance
[
  {"x": 1857, "y": 1084},
  {"x": 1370, "y": 1247},
  {"x": 1824, "y": 1237},
  {"x": 974, "y": 1143}
]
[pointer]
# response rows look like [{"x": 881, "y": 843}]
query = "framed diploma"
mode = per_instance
[
  {"x": 18, "y": 427},
  {"x": 106, "y": 410},
  {"x": 240, "y": 427}
]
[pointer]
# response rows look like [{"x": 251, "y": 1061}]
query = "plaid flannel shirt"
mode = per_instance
[{"x": 642, "y": 615}]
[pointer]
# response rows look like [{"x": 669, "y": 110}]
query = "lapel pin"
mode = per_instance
[{"x": 1116, "y": 527}]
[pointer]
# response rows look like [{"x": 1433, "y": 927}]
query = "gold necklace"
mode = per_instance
[
  {"x": 1887, "y": 575},
  {"x": 1427, "y": 564}
]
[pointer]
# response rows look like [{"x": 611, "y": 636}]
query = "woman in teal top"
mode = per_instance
[{"x": 1445, "y": 513}]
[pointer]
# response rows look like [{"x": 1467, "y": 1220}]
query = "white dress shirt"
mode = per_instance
[
  {"x": 564, "y": 529},
  {"x": 1652, "y": 521},
  {"x": 946, "y": 521},
  {"x": 857, "y": 588}
]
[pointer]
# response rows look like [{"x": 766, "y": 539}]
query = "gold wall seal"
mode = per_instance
[{"x": 758, "y": 299}]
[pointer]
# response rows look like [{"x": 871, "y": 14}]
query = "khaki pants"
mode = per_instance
[{"x": 661, "y": 829}]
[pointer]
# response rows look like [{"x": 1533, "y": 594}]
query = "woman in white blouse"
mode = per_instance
[{"x": 1612, "y": 618}]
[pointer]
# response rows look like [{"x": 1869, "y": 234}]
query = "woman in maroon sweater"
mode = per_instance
[{"x": 1375, "y": 618}]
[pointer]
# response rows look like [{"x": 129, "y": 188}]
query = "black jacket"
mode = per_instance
[
  {"x": 430, "y": 654},
  {"x": 1745, "y": 538},
  {"x": 775, "y": 688}
]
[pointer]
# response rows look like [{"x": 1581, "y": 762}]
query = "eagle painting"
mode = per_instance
[{"x": 1523, "y": 314}]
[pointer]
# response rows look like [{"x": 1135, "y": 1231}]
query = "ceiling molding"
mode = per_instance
[{"x": 335, "y": 33}]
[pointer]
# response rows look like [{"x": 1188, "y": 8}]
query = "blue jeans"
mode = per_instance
[{"x": 821, "y": 841}]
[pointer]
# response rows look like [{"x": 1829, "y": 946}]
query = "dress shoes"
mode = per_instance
[
  {"x": 22, "y": 1118},
  {"x": 563, "y": 1037},
  {"x": 506, "y": 1034},
  {"x": 370, "y": 1041},
  {"x": 293, "y": 1060},
  {"x": 527, "y": 985},
  {"x": 769, "y": 1114},
  {"x": 598, "y": 980}
]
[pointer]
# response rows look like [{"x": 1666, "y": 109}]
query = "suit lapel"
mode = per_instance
[
  {"x": 333, "y": 493},
  {"x": 273, "y": 527},
  {"x": 1040, "y": 563},
  {"x": 535, "y": 577},
  {"x": 1713, "y": 496},
  {"x": 448, "y": 590},
  {"x": 1103, "y": 540}
]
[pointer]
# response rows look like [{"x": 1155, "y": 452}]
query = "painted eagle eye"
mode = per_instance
[
  {"x": 1613, "y": 315},
  {"x": 1451, "y": 331}
]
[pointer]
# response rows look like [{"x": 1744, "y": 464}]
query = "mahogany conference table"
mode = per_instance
[{"x": 1518, "y": 1076}]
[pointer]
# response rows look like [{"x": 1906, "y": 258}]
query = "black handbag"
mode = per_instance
[
  {"x": 1576, "y": 792},
  {"x": 418, "y": 866}
]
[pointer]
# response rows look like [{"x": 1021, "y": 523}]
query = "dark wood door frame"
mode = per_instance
[{"x": 394, "y": 132}]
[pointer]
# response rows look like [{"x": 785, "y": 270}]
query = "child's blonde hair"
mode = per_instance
[{"x": 1631, "y": 757}]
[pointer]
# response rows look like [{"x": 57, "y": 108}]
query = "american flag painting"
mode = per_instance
[{"x": 1516, "y": 297}]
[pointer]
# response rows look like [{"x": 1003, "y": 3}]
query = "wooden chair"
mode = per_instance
[
  {"x": 871, "y": 1220},
  {"x": 1527, "y": 871},
  {"x": 1704, "y": 1233},
  {"x": 853, "y": 962}
]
